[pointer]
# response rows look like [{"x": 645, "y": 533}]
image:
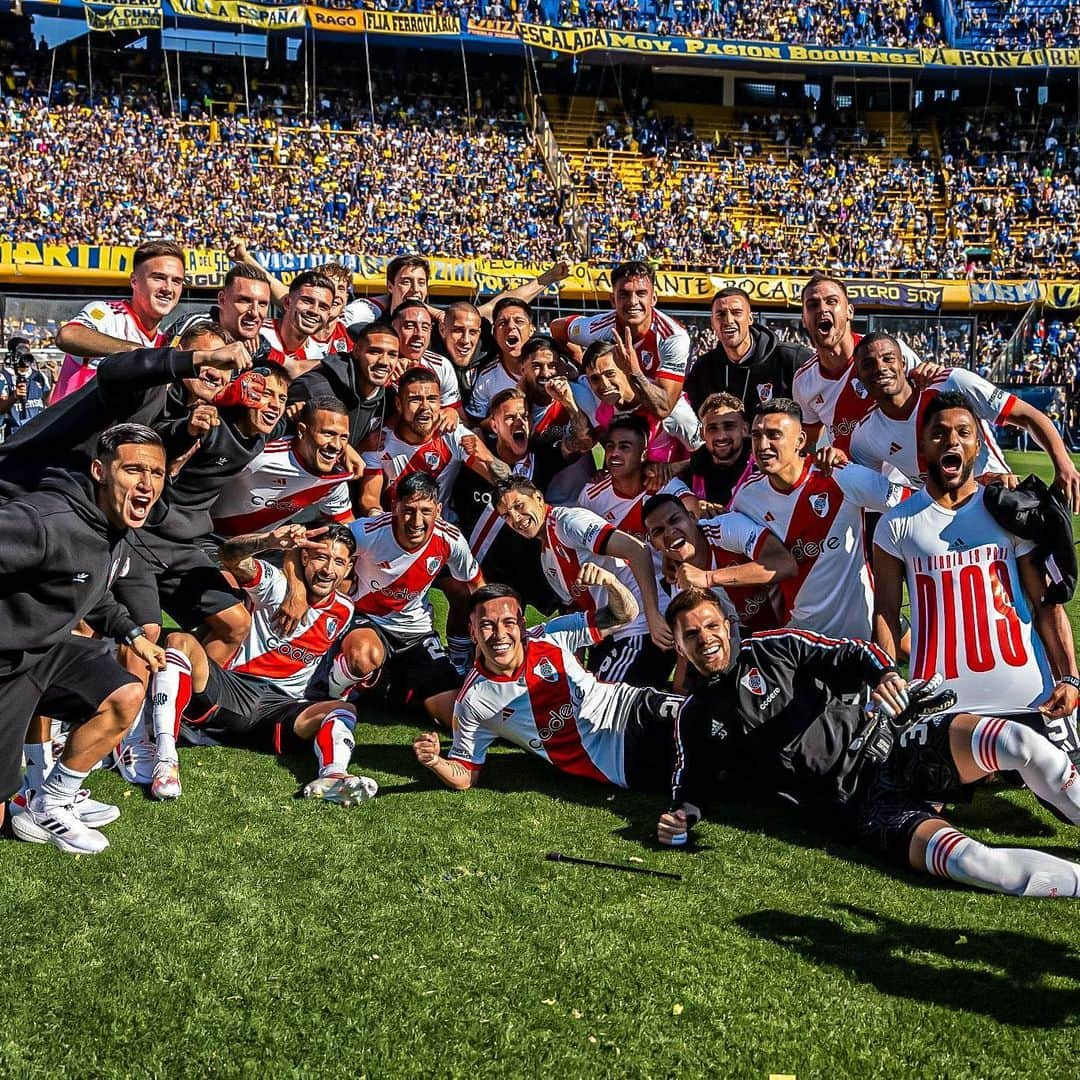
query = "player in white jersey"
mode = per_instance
[
  {"x": 305, "y": 312},
  {"x": 297, "y": 479},
  {"x": 826, "y": 388},
  {"x": 728, "y": 551},
  {"x": 558, "y": 408},
  {"x": 976, "y": 590},
  {"x": 418, "y": 441},
  {"x": 659, "y": 347},
  {"x": 570, "y": 537},
  {"x": 512, "y": 326},
  {"x": 413, "y": 323},
  {"x": 392, "y": 645},
  {"x": 260, "y": 696},
  {"x": 613, "y": 391},
  {"x": 817, "y": 514},
  {"x": 619, "y": 492},
  {"x": 106, "y": 327},
  {"x": 528, "y": 688},
  {"x": 887, "y": 437}
]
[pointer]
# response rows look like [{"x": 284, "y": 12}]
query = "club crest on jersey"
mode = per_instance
[
  {"x": 820, "y": 503},
  {"x": 432, "y": 564},
  {"x": 331, "y": 627},
  {"x": 764, "y": 392},
  {"x": 431, "y": 458},
  {"x": 646, "y": 358},
  {"x": 859, "y": 388},
  {"x": 753, "y": 682},
  {"x": 546, "y": 670}
]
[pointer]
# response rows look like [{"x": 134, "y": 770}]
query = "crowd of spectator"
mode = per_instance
[{"x": 1019, "y": 24}]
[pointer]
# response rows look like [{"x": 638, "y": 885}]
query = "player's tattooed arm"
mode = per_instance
[
  {"x": 482, "y": 461},
  {"x": 453, "y": 774},
  {"x": 622, "y": 606},
  {"x": 238, "y": 554}
]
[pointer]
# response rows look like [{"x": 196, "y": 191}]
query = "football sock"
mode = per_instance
[
  {"x": 171, "y": 694},
  {"x": 459, "y": 647},
  {"x": 1016, "y": 871},
  {"x": 39, "y": 760},
  {"x": 998, "y": 745},
  {"x": 342, "y": 678},
  {"x": 60, "y": 788},
  {"x": 334, "y": 742}
]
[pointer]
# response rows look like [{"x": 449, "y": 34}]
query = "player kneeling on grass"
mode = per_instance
[
  {"x": 772, "y": 712},
  {"x": 259, "y": 697},
  {"x": 527, "y": 687}
]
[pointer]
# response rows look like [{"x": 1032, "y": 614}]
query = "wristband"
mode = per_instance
[
  {"x": 133, "y": 635},
  {"x": 1070, "y": 680}
]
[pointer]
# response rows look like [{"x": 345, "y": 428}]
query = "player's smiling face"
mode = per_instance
[
  {"x": 462, "y": 336},
  {"x": 512, "y": 329},
  {"x": 950, "y": 446},
  {"x": 730, "y": 320},
  {"x": 510, "y": 423},
  {"x": 778, "y": 441},
  {"x": 324, "y": 571},
  {"x": 540, "y": 368},
  {"x": 826, "y": 314},
  {"x": 376, "y": 355},
  {"x": 320, "y": 444},
  {"x": 265, "y": 418},
  {"x": 608, "y": 381},
  {"x": 244, "y": 306},
  {"x": 881, "y": 370},
  {"x": 498, "y": 627},
  {"x": 130, "y": 484},
  {"x": 308, "y": 309},
  {"x": 724, "y": 431},
  {"x": 419, "y": 404},
  {"x": 633, "y": 299},
  {"x": 411, "y": 283},
  {"x": 523, "y": 512},
  {"x": 624, "y": 452},
  {"x": 414, "y": 521},
  {"x": 674, "y": 533},
  {"x": 156, "y": 286},
  {"x": 414, "y": 332},
  {"x": 703, "y": 637}
]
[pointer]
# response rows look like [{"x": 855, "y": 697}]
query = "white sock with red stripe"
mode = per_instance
[
  {"x": 343, "y": 679},
  {"x": 998, "y": 745},
  {"x": 334, "y": 742},
  {"x": 1016, "y": 871},
  {"x": 171, "y": 694}
]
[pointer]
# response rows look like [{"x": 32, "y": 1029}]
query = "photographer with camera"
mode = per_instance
[{"x": 24, "y": 390}]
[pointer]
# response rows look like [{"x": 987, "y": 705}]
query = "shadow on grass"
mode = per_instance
[{"x": 1000, "y": 974}]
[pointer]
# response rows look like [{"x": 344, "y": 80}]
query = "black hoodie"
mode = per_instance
[
  {"x": 764, "y": 373},
  {"x": 336, "y": 377},
  {"x": 58, "y": 560}
]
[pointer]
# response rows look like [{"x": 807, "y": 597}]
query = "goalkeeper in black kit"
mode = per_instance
[{"x": 777, "y": 711}]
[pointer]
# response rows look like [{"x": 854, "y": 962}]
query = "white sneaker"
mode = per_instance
[
  {"x": 89, "y": 811},
  {"x": 135, "y": 761},
  {"x": 166, "y": 780},
  {"x": 343, "y": 790},
  {"x": 58, "y": 825}
]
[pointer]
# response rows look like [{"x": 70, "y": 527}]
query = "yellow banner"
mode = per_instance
[
  {"x": 383, "y": 22},
  {"x": 984, "y": 58},
  {"x": 507, "y": 29},
  {"x": 259, "y": 16},
  {"x": 104, "y": 266},
  {"x": 121, "y": 16}
]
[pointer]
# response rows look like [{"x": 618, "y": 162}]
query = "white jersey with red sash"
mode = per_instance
[
  {"x": 663, "y": 351},
  {"x": 277, "y": 488},
  {"x": 735, "y": 539},
  {"x": 364, "y": 310},
  {"x": 289, "y": 660},
  {"x": 337, "y": 341},
  {"x": 551, "y": 706},
  {"x": 892, "y": 446},
  {"x": 624, "y": 511},
  {"x": 820, "y": 521},
  {"x": 392, "y": 584},
  {"x": 838, "y": 401},
  {"x": 278, "y": 354},
  {"x": 544, "y": 419},
  {"x": 571, "y": 536},
  {"x": 440, "y": 457},
  {"x": 970, "y": 617}
]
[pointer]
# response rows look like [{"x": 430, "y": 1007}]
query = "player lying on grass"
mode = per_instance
[
  {"x": 259, "y": 697},
  {"x": 772, "y": 711},
  {"x": 528, "y": 688}
]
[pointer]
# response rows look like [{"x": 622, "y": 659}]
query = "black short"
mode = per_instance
[
  {"x": 635, "y": 661},
  {"x": 894, "y": 798},
  {"x": 69, "y": 682},
  {"x": 649, "y": 740},
  {"x": 175, "y": 577},
  {"x": 245, "y": 710},
  {"x": 412, "y": 672}
]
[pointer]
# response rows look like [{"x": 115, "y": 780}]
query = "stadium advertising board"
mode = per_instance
[
  {"x": 259, "y": 16},
  {"x": 123, "y": 16},
  {"x": 102, "y": 265},
  {"x": 395, "y": 23}
]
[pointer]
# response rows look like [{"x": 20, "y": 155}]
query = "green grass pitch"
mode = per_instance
[{"x": 242, "y": 932}]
